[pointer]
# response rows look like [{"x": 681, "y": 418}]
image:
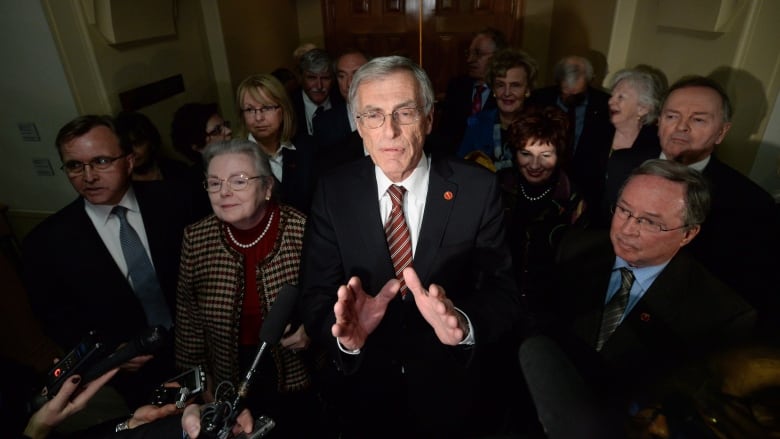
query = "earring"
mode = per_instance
[{"x": 267, "y": 198}]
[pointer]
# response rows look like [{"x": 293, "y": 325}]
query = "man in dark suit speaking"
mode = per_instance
[{"x": 404, "y": 268}]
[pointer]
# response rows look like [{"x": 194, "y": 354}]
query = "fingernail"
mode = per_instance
[{"x": 75, "y": 380}]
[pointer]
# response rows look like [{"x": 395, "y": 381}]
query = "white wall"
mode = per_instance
[
  {"x": 743, "y": 55},
  {"x": 33, "y": 89}
]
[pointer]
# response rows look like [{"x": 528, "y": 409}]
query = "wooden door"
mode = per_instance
[{"x": 435, "y": 33}]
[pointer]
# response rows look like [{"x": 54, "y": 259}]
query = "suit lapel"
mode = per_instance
[
  {"x": 82, "y": 231},
  {"x": 590, "y": 293},
  {"x": 442, "y": 196}
]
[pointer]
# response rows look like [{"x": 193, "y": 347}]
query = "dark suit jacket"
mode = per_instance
[
  {"x": 461, "y": 247},
  {"x": 73, "y": 282},
  {"x": 455, "y": 110},
  {"x": 336, "y": 102},
  {"x": 588, "y": 165},
  {"x": 620, "y": 164},
  {"x": 332, "y": 126},
  {"x": 338, "y": 144},
  {"x": 740, "y": 238},
  {"x": 684, "y": 313},
  {"x": 75, "y": 286},
  {"x": 298, "y": 174}
]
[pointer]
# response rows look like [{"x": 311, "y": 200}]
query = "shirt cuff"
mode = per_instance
[
  {"x": 469, "y": 339},
  {"x": 345, "y": 350}
]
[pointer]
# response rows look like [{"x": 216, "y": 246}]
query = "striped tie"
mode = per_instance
[
  {"x": 615, "y": 308},
  {"x": 399, "y": 242},
  {"x": 476, "y": 103}
]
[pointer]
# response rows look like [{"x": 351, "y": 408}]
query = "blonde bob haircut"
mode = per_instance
[{"x": 274, "y": 90}]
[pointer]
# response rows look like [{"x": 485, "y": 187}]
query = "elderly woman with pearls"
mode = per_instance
[{"x": 233, "y": 265}]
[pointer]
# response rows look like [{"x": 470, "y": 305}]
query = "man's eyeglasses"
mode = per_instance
[
  {"x": 645, "y": 224},
  {"x": 219, "y": 129},
  {"x": 75, "y": 167},
  {"x": 234, "y": 182},
  {"x": 477, "y": 53},
  {"x": 265, "y": 109},
  {"x": 402, "y": 116}
]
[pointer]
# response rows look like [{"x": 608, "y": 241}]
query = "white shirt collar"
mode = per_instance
[
  {"x": 416, "y": 183},
  {"x": 699, "y": 166},
  {"x": 102, "y": 212},
  {"x": 287, "y": 145}
]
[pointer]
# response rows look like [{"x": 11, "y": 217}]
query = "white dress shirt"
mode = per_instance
[
  {"x": 107, "y": 226},
  {"x": 277, "y": 160}
]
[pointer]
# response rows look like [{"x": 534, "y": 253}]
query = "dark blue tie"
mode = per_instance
[{"x": 141, "y": 272}]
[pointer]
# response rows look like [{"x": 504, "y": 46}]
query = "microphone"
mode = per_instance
[
  {"x": 148, "y": 342},
  {"x": 272, "y": 330},
  {"x": 218, "y": 421},
  {"x": 565, "y": 406}
]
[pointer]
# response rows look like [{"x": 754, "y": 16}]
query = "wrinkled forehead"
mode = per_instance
[
  {"x": 695, "y": 99},
  {"x": 395, "y": 89}
]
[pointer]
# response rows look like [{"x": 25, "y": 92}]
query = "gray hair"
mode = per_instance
[
  {"x": 697, "y": 190},
  {"x": 240, "y": 146},
  {"x": 646, "y": 87},
  {"x": 571, "y": 68},
  {"x": 316, "y": 61},
  {"x": 381, "y": 67}
]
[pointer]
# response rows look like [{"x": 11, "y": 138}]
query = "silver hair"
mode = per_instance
[
  {"x": 316, "y": 61},
  {"x": 697, "y": 190},
  {"x": 646, "y": 87},
  {"x": 381, "y": 67},
  {"x": 571, "y": 68},
  {"x": 240, "y": 146}
]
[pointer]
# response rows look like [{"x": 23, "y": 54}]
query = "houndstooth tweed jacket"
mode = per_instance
[{"x": 211, "y": 290}]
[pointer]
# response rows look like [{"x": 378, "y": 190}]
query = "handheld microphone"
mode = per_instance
[
  {"x": 146, "y": 343},
  {"x": 218, "y": 421}
]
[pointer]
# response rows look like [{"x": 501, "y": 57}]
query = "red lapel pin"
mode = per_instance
[
  {"x": 448, "y": 196},
  {"x": 645, "y": 317}
]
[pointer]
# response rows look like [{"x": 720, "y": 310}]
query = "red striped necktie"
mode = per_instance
[
  {"x": 476, "y": 104},
  {"x": 399, "y": 241}
]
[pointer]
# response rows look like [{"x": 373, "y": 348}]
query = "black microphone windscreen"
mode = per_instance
[
  {"x": 148, "y": 342},
  {"x": 279, "y": 315},
  {"x": 565, "y": 405}
]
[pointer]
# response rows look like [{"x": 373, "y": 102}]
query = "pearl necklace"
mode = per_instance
[
  {"x": 253, "y": 243},
  {"x": 537, "y": 198}
]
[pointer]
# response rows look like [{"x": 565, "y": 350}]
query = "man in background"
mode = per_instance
[
  {"x": 339, "y": 141},
  {"x": 739, "y": 240},
  {"x": 468, "y": 94},
  {"x": 590, "y": 136},
  {"x": 317, "y": 94}
]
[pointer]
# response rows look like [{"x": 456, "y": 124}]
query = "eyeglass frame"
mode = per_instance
[
  {"x": 219, "y": 128},
  {"x": 263, "y": 110},
  {"x": 227, "y": 180},
  {"x": 92, "y": 164},
  {"x": 361, "y": 118},
  {"x": 640, "y": 220}
]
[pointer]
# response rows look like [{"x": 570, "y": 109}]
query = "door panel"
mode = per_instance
[{"x": 443, "y": 28}]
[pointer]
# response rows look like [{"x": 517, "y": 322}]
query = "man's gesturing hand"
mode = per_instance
[
  {"x": 358, "y": 313},
  {"x": 450, "y": 325}
]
